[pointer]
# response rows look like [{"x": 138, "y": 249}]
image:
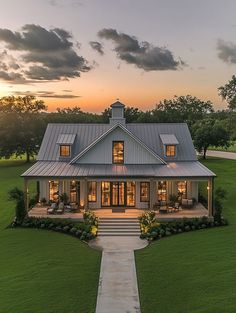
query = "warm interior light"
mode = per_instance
[{"x": 208, "y": 187}]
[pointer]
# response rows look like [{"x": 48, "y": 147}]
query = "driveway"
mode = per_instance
[
  {"x": 118, "y": 287},
  {"x": 222, "y": 154}
]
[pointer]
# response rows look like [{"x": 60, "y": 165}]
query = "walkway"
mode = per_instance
[
  {"x": 222, "y": 154},
  {"x": 118, "y": 288}
]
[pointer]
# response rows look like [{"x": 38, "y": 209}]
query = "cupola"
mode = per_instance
[{"x": 117, "y": 113}]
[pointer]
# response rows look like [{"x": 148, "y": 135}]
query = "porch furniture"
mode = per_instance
[
  {"x": 61, "y": 208},
  {"x": 52, "y": 209},
  {"x": 187, "y": 203}
]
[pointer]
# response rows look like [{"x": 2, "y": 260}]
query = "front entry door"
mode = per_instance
[{"x": 118, "y": 194}]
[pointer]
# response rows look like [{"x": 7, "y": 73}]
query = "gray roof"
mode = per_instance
[
  {"x": 169, "y": 139},
  {"x": 52, "y": 169},
  {"x": 66, "y": 139},
  {"x": 148, "y": 133}
]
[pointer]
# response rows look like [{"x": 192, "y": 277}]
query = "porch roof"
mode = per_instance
[{"x": 46, "y": 169}]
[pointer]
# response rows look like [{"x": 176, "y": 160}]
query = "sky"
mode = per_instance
[{"x": 88, "y": 53}]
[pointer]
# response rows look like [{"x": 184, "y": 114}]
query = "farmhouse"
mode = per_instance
[{"x": 120, "y": 165}]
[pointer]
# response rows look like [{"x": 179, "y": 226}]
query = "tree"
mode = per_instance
[
  {"x": 210, "y": 133},
  {"x": 220, "y": 196},
  {"x": 17, "y": 195},
  {"x": 21, "y": 126},
  {"x": 228, "y": 93}
]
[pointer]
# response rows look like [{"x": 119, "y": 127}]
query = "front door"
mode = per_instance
[{"x": 118, "y": 194}]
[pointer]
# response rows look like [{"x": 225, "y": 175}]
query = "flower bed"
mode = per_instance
[
  {"x": 83, "y": 230},
  {"x": 151, "y": 229}
]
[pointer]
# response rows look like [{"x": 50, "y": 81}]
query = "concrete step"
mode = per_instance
[
  {"x": 120, "y": 231},
  {"x": 119, "y": 227},
  {"x": 119, "y": 234}
]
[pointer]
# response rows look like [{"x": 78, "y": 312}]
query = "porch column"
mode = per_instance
[
  {"x": 26, "y": 194},
  {"x": 210, "y": 189},
  {"x": 86, "y": 194},
  {"x": 152, "y": 194}
]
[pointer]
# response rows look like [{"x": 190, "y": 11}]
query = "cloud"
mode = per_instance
[
  {"x": 45, "y": 55},
  {"x": 97, "y": 46},
  {"x": 226, "y": 51},
  {"x": 142, "y": 54},
  {"x": 44, "y": 94}
]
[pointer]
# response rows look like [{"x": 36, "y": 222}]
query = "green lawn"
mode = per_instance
[
  {"x": 231, "y": 148},
  {"x": 42, "y": 271},
  {"x": 193, "y": 272}
]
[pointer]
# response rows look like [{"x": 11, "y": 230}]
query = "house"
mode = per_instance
[{"x": 119, "y": 164}]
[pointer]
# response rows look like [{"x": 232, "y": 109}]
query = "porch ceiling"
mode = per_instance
[{"x": 171, "y": 170}]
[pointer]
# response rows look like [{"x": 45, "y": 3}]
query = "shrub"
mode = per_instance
[
  {"x": 17, "y": 195},
  {"x": 90, "y": 218}
]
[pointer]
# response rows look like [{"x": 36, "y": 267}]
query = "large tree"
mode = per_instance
[
  {"x": 209, "y": 132},
  {"x": 228, "y": 93},
  {"x": 21, "y": 126}
]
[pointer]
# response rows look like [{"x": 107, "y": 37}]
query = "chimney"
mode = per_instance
[{"x": 117, "y": 113}]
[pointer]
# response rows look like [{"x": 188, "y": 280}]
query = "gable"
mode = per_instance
[{"x": 135, "y": 152}]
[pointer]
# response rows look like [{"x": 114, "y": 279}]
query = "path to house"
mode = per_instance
[
  {"x": 222, "y": 154},
  {"x": 118, "y": 287}
]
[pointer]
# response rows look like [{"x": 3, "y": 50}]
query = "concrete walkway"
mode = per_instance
[
  {"x": 222, "y": 154},
  {"x": 118, "y": 288}
]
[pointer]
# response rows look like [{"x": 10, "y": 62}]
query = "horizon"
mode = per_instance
[{"x": 85, "y": 54}]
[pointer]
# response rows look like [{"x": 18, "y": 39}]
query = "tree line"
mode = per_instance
[{"x": 23, "y": 120}]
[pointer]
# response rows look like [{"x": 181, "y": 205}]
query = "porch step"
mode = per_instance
[{"x": 118, "y": 227}]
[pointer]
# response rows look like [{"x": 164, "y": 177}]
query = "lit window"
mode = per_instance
[
  {"x": 65, "y": 150},
  {"x": 74, "y": 191},
  {"x": 170, "y": 150},
  {"x": 144, "y": 191},
  {"x": 162, "y": 191},
  {"x": 182, "y": 189},
  {"x": 92, "y": 191},
  {"x": 130, "y": 193},
  {"x": 53, "y": 190},
  {"x": 118, "y": 152}
]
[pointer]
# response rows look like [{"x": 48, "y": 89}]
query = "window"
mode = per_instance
[
  {"x": 162, "y": 191},
  {"x": 130, "y": 193},
  {"x": 170, "y": 150},
  {"x": 74, "y": 191},
  {"x": 53, "y": 190},
  {"x": 118, "y": 152},
  {"x": 182, "y": 189},
  {"x": 106, "y": 193},
  {"x": 64, "y": 150},
  {"x": 144, "y": 191},
  {"x": 92, "y": 191}
]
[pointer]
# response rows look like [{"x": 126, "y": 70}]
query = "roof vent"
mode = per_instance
[{"x": 117, "y": 113}]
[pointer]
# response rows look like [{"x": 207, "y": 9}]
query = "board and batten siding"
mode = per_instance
[{"x": 134, "y": 153}]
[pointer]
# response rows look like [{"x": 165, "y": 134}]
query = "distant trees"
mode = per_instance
[
  {"x": 209, "y": 132},
  {"x": 228, "y": 93}
]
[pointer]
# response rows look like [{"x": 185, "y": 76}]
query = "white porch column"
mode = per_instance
[
  {"x": 210, "y": 189},
  {"x": 85, "y": 193},
  {"x": 26, "y": 194}
]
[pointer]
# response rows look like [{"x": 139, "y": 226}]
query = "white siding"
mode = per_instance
[{"x": 134, "y": 153}]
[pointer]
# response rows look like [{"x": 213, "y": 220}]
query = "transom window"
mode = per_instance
[
  {"x": 144, "y": 191},
  {"x": 118, "y": 152},
  {"x": 92, "y": 191},
  {"x": 170, "y": 150},
  {"x": 65, "y": 150}
]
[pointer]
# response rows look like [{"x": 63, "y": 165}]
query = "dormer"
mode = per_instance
[
  {"x": 65, "y": 144},
  {"x": 170, "y": 144},
  {"x": 117, "y": 113}
]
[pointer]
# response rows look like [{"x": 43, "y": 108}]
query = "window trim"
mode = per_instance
[
  {"x": 171, "y": 156},
  {"x": 92, "y": 181},
  {"x": 113, "y": 143},
  {"x": 148, "y": 195},
  {"x": 60, "y": 149}
]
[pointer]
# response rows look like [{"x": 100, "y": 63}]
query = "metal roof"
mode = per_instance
[
  {"x": 169, "y": 139},
  {"x": 46, "y": 169},
  {"x": 147, "y": 133},
  {"x": 66, "y": 139}
]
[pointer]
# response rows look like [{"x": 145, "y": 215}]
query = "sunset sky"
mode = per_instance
[{"x": 90, "y": 52}]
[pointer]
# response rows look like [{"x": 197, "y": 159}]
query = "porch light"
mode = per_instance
[{"x": 208, "y": 188}]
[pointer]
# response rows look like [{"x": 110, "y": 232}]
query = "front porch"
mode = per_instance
[{"x": 196, "y": 212}]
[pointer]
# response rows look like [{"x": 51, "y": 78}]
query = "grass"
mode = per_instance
[
  {"x": 42, "y": 271},
  {"x": 231, "y": 148},
  {"x": 193, "y": 272}
]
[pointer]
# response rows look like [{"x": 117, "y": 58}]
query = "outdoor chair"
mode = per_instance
[
  {"x": 52, "y": 208},
  {"x": 60, "y": 209},
  {"x": 187, "y": 203}
]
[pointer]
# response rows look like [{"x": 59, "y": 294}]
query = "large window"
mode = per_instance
[
  {"x": 53, "y": 190},
  {"x": 182, "y": 189},
  {"x": 65, "y": 150},
  {"x": 92, "y": 191},
  {"x": 106, "y": 193},
  {"x": 162, "y": 191},
  {"x": 74, "y": 191},
  {"x": 144, "y": 191},
  {"x": 170, "y": 150},
  {"x": 118, "y": 152},
  {"x": 130, "y": 194}
]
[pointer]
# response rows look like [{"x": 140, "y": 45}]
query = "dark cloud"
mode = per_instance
[
  {"x": 142, "y": 54},
  {"x": 44, "y": 94},
  {"x": 97, "y": 46},
  {"x": 12, "y": 77},
  {"x": 226, "y": 51},
  {"x": 46, "y": 55}
]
